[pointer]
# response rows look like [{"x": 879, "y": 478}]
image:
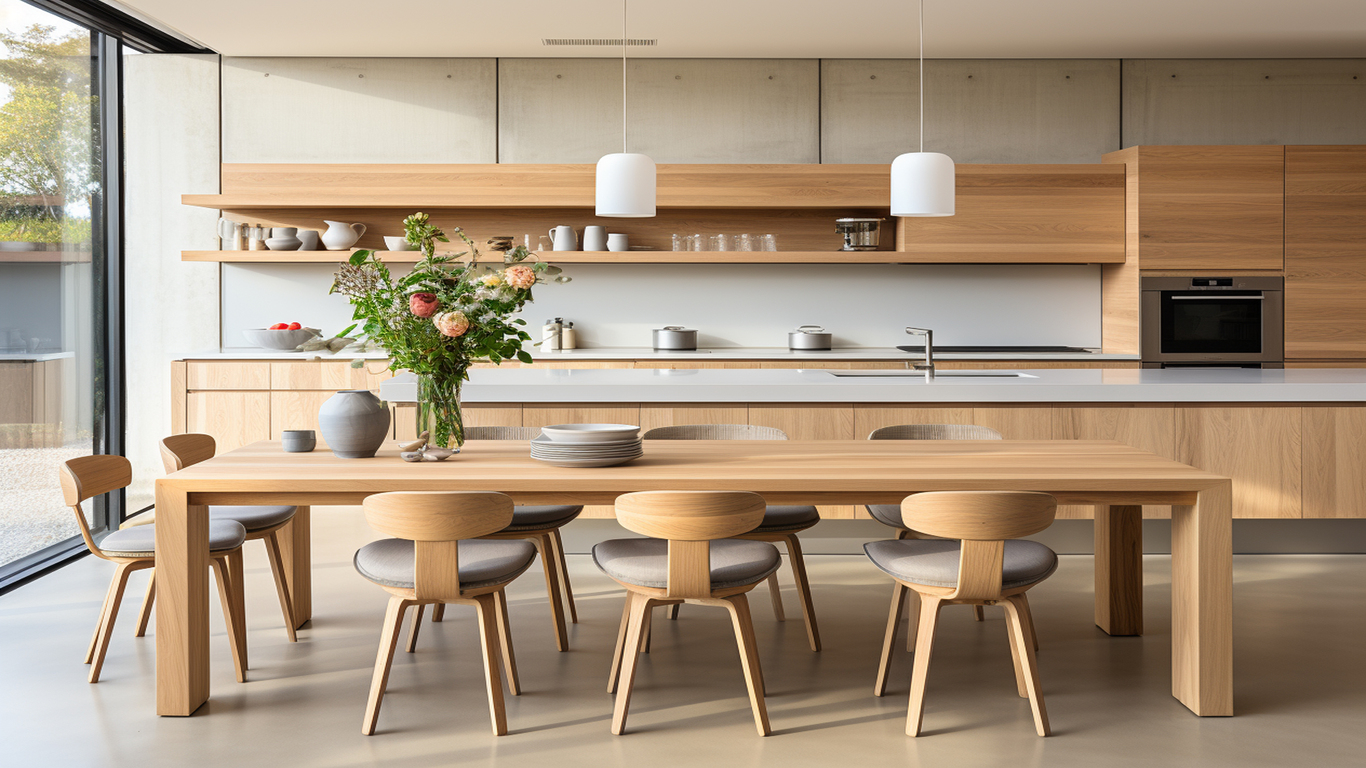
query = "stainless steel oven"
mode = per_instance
[{"x": 1213, "y": 321}]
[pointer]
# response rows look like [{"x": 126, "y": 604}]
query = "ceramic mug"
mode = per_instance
[
  {"x": 618, "y": 242},
  {"x": 298, "y": 440},
  {"x": 564, "y": 239},
  {"x": 308, "y": 239},
  {"x": 595, "y": 238}
]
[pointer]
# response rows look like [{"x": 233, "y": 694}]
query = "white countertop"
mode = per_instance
[
  {"x": 34, "y": 357},
  {"x": 645, "y": 353},
  {"x": 1227, "y": 385}
]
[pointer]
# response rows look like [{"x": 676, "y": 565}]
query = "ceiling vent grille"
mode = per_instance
[{"x": 613, "y": 42}]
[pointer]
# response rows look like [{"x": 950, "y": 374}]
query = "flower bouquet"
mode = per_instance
[{"x": 447, "y": 313}]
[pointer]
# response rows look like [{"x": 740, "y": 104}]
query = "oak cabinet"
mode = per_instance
[
  {"x": 1334, "y": 457},
  {"x": 297, "y": 409},
  {"x": 233, "y": 418},
  {"x": 1150, "y": 428},
  {"x": 1259, "y": 447},
  {"x": 1325, "y": 252},
  {"x": 809, "y": 421}
]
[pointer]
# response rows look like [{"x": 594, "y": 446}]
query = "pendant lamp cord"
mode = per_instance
[
  {"x": 623, "y": 75},
  {"x": 922, "y": 75}
]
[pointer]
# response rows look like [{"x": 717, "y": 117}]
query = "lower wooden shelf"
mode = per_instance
[{"x": 677, "y": 257}]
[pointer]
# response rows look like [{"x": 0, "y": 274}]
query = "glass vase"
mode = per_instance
[{"x": 438, "y": 412}]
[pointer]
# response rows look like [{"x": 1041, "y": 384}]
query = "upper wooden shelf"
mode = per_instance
[{"x": 684, "y": 257}]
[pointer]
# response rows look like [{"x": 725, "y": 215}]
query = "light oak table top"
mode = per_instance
[{"x": 1114, "y": 477}]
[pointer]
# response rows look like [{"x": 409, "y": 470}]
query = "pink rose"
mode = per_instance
[
  {"x": 423, "y": 304},
  {"x": 453, "y": 324},
  {"x": 520, "y": 276}
]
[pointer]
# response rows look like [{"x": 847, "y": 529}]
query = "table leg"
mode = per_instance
[
  {"x": 296, "y": 549},
  {"x": 1119, "y": 570},
  {"x": 1202, "y": 602},
  {"x": 182, "y": 574}
]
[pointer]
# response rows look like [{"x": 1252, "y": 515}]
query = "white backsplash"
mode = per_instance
[{"x": 742, "y": 305}]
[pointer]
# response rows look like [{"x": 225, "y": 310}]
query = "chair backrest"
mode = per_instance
[
  {"x": 435, "y": 521},
  {"x": 181, "y": 451},
  {"x": 934, "y": 432},
  {"x": 87, "y": 476},
  {"x": 715, "y": 432},
  {"x": 690, "y": 520},
  {"x": 502, "y": 433},
  {"x": 982, "y": 521}
]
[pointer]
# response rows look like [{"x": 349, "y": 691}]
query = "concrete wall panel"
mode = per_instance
[
  {"x": 1244, "y": 101},
  {"x": 319, "y": 110}
]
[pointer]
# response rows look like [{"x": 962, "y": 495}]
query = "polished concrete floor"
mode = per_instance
[{"x": 1300, "y": 679}]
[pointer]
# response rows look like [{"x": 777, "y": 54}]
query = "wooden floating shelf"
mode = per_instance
[
  {"x": 44, "y": 257},
  {"x": 675, "y": 257}
]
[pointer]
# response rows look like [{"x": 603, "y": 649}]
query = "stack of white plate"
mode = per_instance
[{"x": 587, "y": 445}]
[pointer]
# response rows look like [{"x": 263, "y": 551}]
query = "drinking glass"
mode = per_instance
[
  {"x": 770, "y": 242},
  {"x": 544, "y": 243},
  {"x": 679, "y": 242},
  {"x": 720, "y": 242},
  {"x": 697, "y": 242},
  {"x": 746, "y": 242}
]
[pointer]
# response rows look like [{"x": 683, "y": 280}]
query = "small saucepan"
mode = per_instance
[
  {"x": 809, "y": 337},
  {"x": 675, "y": 337}
]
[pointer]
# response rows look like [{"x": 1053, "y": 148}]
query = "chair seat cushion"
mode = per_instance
[
  {"x": 483, "y": 562},
  {"x": 140, "y": 540},
  {"x": 887, "y": 514},
  {"x": 549, "y": 516},
  {"x": 934, "y": 562},
  {"x": 789, "y": 518},
  {"x": 645, "y": 562},
  {"x": 253, "y": 518}
]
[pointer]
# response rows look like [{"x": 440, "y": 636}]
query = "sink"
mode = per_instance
[{"x": 920, "y": 375}]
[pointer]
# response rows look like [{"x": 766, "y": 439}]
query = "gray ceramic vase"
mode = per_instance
[{"x": 354, "y": 423}]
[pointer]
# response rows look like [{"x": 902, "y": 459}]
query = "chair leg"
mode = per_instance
[
  {"x": 110, "y": 612},
  {"x": 648, "y": 633},
  {"x": 929, "y": 616},
  {"x": 413, "y": 626},
  {"x": 913, "y": 604},
  {"x": 148, "y": 602},
  {"x": 488, "y": 637},
  {"x": 500, "y": 602},
  {"x": 889, "y": 640},
  {"x": 235, "y": 629},
  {"x": 552, "y": 588},
  {"x": 277, "y": 569},
  {"x": 749, "y": 657},
  {"x": 615, "y": 673},
  {"x": 562, "y": 568},
  {"x": 237, "y": 583},
  {"x": 1031, "y": 665},
  {"x": 979, "y": 613},
  {"x": 1020, "y": 687},
  {"x": 641, "y": 607},
  {"x": 388, "y": 640},
  {"x": 438, "y": 612},
  {"x": 775, "y": 594},
  {"x": 794, "y": 555},
  {"x": 1027, "y": 618}
]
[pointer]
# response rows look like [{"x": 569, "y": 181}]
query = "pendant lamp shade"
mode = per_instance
[
  {"x": 922, "y": 184},
  {"x": 626, "y": 186}
]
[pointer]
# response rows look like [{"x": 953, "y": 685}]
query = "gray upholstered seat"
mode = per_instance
[
  {"x": 253, "y": 518},
  {"x": 890, "y": 514},
  {"x": 788, "y": 518},
  {"x": 887, "y": 514},
  {"x": 549, "y": 516},
  {"x": 645, "y": 562},
  {"x": 140, "y": 540},
  {"x": 934, "y": 562},
  {"x": 483, "y": 562}
]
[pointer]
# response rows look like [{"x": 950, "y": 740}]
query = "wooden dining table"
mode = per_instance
[{"x": 1115, "y": 478}]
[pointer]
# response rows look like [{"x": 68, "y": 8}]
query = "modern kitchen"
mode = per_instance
[{"x": 1056, "y": 310}]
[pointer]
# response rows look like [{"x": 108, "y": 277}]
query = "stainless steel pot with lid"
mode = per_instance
[
  {"x": 859, "y": 234},
  {"x": 675, "y": 337},
  {"x": 809, "y": 337}
]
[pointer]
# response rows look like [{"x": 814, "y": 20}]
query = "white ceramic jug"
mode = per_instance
[
  {"x": 564, "y": 239},
  {"x": 340, "y": 235},
  {"x": 595, "y": 238}
]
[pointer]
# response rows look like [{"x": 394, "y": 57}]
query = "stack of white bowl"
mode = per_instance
[{"x": 587, "y": 445}]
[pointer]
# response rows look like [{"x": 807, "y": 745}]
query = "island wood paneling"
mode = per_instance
[
  {"x": 1325, "y": 252},
  {"x": 227, "y": 374},
  {"x": 1335, "y": 462},
  {"x": 1259, "y": 447},
  {"x": 297, "y": 409},
  {"x": 1151, "y": 428},
  {"x": 653, "y": 415},
  {"x": 476, "y": 415},
  {"x": 1208, "y": 207},
  {"x": 307, "y": 374},
  {"x": 870, "y": 417},
  {"x": 233, "y": 418},
  {"x": 1024, "y": 214},
  {"x": 809, "y": 421}
]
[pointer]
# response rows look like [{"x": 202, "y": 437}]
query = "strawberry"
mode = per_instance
[
  {"x": 294, "y": 326},
  {"x": 279, "y": 327}
]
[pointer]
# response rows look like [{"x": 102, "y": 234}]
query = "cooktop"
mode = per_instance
[{"x": 998, "y": 350}]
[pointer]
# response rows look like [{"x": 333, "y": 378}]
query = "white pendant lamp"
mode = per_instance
[
  {"x": 922, "y": 182},
  {"x": 625, "y": 180}
]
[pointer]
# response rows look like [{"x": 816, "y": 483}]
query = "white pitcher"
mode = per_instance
[
  {"x": 564, "y": 239},
  {"x": 340, "y": 235}
]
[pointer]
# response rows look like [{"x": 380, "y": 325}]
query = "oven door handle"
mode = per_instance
[{"x": 1217, "y": 298}]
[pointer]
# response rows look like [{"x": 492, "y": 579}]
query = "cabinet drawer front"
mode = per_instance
[
  {"x": 236, "y": 374},
  {"x": 333, "y": 375},
  {"x": 234, "y": 419}
]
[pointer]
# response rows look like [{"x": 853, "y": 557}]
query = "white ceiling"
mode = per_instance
[{"x": 774, "y": 28}]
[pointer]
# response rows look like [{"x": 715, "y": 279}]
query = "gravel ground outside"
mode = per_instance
[{"x": 32, "y": 513}]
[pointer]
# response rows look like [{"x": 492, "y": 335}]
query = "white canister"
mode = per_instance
[
  {"x": 569, "y": 339},
  {"x": 618, "y": 242},
  {"x": 552, "y": 335},
  {"x": 595, "y": 238}
]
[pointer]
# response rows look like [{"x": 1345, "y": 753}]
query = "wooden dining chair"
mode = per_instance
[
  {"x": 692, "y": 556},
  {"x": 780, "y": 523},
  {"x": 134, "y": 549},
  {"x": 260, "y": 522},
  {"x": 980, "y": 560},
  {"x": 890, "y": 514},
  {"x": 539, "y": 525},
  {"x": 437, "y": 557}
]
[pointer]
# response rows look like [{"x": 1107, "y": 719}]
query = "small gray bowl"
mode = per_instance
[{"x": 298, "y": 440}]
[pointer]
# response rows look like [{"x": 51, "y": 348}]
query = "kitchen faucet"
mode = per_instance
[{"x": 928, "y": 365}]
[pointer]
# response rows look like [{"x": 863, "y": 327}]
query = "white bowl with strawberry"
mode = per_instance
[{"x": 280, "y": 336}]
